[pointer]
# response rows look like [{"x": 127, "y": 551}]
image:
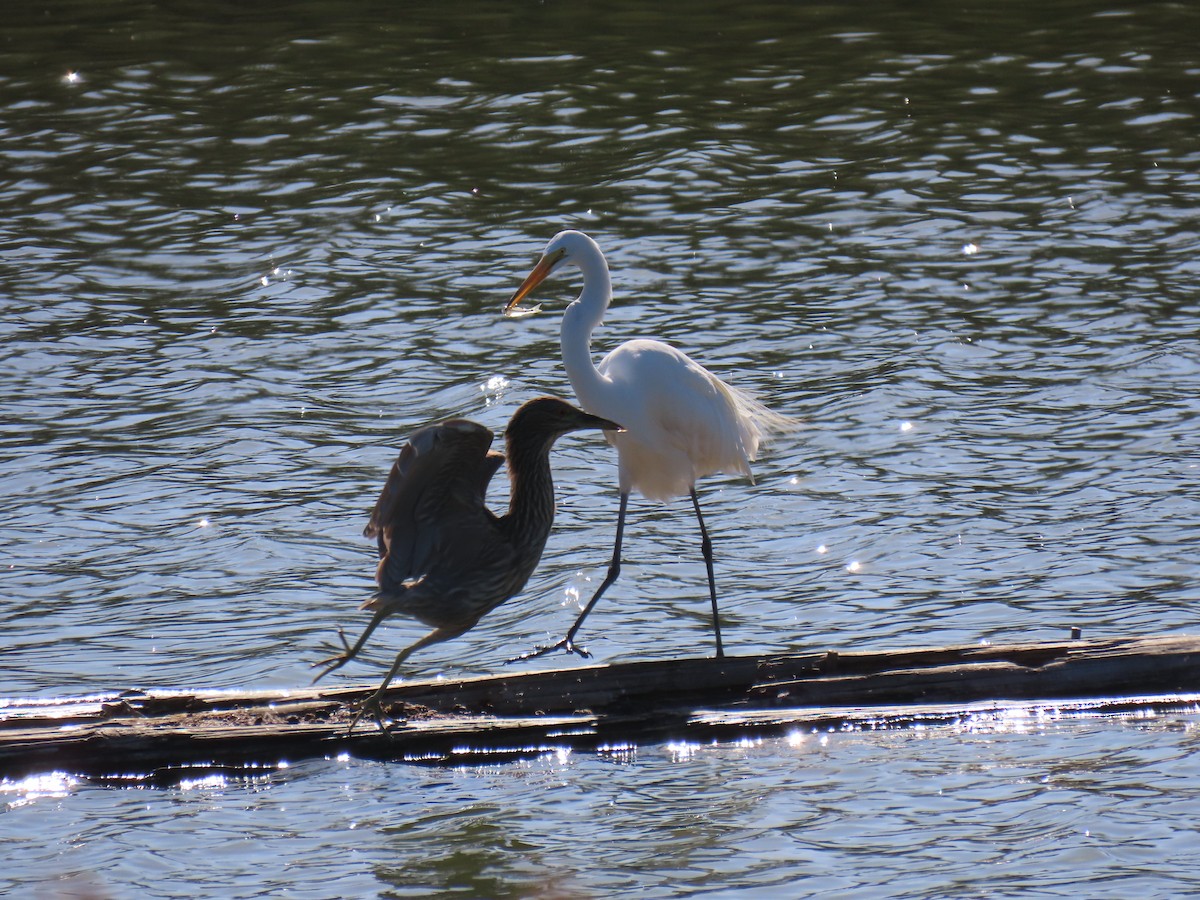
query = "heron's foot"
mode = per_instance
[
  {"x": 374, "y": 706},
  {"x": 333, "y": 663},
  {"x": 565, "y": 644}
]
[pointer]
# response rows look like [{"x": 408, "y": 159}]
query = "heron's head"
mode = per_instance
[
  {"x": 548, "y": 418},
  {"x": 565, "y": 248}
]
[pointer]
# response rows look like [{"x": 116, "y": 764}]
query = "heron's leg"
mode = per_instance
[
  {"x": 373, "y": 702},
  {"x": 614, "y": 569},
  {"x": 706, "y": 549},
  {"x": 336, "y": 662}
]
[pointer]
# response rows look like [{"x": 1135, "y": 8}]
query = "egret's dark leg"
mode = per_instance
[
  {"x": 706, "y": 549},
  {"x": 614, "y": 569}
]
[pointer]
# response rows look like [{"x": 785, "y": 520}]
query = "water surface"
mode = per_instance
[{"x": 245, "y": 253}]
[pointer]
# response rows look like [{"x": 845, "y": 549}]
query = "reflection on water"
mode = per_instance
[
  {"x": 244, "y": 253},
  {"x": 1049, "y": 806}
]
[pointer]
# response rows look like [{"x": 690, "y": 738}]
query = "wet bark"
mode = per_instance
[{"x": 169, "y": 736}]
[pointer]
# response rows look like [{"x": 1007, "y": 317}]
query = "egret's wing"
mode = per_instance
[
  {"x": 436, "y": 489},
  {"x": 681, "y": 421}
]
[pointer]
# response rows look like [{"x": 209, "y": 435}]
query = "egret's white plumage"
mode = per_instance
[{"x": 680, "y": 421}]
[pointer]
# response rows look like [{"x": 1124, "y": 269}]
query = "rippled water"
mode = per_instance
[{"x": 245, "y": 253}]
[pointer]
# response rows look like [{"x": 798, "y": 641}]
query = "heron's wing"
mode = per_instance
[
  {"x": 435, "y": 490},
  {"x": 386, "y": 506},
  {"x": 491, "y": 463},
  {"x": 472, "y": 572}
]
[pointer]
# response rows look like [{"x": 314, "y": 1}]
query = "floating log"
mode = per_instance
[{"x": 170, "y": 736}]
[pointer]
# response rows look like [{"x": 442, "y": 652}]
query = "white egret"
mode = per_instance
[{"x": 680, "y": 421}]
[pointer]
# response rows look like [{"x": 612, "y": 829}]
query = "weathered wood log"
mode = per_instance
[{"x": 171, "y": 736}]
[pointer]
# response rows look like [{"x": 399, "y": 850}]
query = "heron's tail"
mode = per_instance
[{"x": 390, "y": 599}]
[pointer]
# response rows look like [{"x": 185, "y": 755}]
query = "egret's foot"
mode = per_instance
[{"x": 565, "y": 644}]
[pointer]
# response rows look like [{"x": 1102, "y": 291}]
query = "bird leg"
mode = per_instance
[
  {"x": 706, "y": 549},
  {"x": 336, "y": 662},
  {"x": 614, "y": 569},
  {"x": 374, "y": 703}
]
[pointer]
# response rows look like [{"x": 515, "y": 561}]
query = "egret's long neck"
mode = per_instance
[{"x": 578, "y": 322}]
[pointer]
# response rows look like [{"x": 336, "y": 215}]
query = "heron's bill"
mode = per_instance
[{"x": 536, "y": 277}]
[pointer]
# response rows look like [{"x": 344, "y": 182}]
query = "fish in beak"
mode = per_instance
[{"x": 539, "y": 274}]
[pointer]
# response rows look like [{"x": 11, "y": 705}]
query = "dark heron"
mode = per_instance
[
  {"x": 444, "y": 558},
  {"x": 680, "y": 421}
]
